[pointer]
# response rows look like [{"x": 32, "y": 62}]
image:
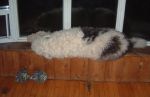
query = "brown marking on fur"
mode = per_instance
[
  {"x": 91, "y": 33},
  {"x": 112, "y": 48}
]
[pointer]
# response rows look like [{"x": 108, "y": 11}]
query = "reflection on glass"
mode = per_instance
[
  {"x": 94, "y": 13},
  {"x": 137, "y": 19},
  {"x": 37, "y": 15},
  {"x": 3, "y": 31}
]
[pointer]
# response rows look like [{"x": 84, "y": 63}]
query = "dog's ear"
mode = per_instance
[{"x": 91, "y": 33}]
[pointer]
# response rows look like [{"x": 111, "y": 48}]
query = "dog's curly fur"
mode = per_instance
[{"x": 94, "y": 43}]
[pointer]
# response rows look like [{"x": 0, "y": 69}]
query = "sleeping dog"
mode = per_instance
[{"x": 85, "y": 42}]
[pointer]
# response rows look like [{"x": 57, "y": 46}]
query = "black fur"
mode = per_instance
[
  {"x": 112, "y": 48},
  {"x": 91, "y": 33}
]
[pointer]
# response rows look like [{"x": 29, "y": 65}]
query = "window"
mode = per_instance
[
  {"x": 37, "y": 15},
  {"x": 51, "y": 15},
  {"x": 137, "y": 19},
  {"x": 95, "y": 13},
  {"x": 4, "y": 19},
  {"x": 3, "y": 3},
  {"x": 4, "y": 26}
]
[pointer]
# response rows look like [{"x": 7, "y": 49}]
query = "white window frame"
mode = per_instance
[
  {"x": 67, "y": 6},
  {"x": 5, "y": 12},
  {"x": 120, "y": 15},
  {"x": 13, "y": 21}
]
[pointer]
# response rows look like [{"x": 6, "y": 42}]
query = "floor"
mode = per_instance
[{"x": 61, "y": 88}]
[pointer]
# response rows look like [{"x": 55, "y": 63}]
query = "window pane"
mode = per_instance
[
  {"x": 3, "y": 31},
  {"x": 94, "y": 13},
  {"x": 137, "y": 18},
  {"x": 37, "y": 15},
  {"x": 3, "y": 2}
]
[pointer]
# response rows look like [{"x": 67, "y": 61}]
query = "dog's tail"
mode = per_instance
[{"x": 137, "y": 42}]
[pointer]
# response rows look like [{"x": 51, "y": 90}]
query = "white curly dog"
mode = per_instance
[{"x": 86, "y": 42}]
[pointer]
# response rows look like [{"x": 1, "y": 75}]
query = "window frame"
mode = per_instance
[
  {"x": 5, "y": 12},
  {"x": 120, "y": 15},
  {"x": 67, "y": 6}
]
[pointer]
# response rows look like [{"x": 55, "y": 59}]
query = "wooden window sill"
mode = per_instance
[{"x": 27, "y": 46}]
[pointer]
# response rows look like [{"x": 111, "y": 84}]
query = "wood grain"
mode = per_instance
[
  {"x": 144, "y": 67},
  {"x": 79, "y": 68},
  {"x": 62, "y": 68},
  {"x": 129, "y": 68},
  {"x": 10, "y": 63},
  {"x": 62, "y": 88},
  {"x": 49, "y": 68},
  {"x": 96, "y": 70}
]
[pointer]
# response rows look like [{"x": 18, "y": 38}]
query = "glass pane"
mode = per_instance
[
  {"x": 94, "y": 13},
  {"x": 3, "y": 2},
  {"x": 37, "y": 15},
  {"x": 3, "y": 31},
  {"x": 137, "y": 19}
]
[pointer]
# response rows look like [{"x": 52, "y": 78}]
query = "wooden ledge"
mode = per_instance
[
  {"x": 61, "y": 88},
  {"x": 27, "y": 46},
  {"x": 133, "y": 67},
  {"x": 15, "y": 46}
]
